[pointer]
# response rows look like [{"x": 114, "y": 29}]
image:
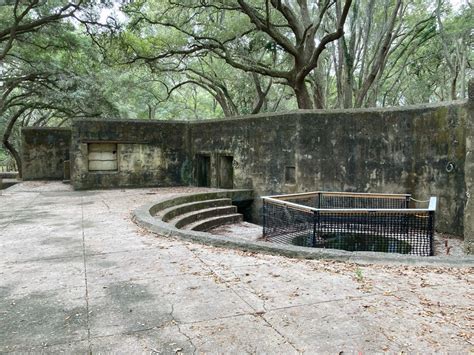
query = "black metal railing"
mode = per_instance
[{"x": 351, "y": 221}]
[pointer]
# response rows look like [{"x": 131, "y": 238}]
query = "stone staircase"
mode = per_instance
[{"x": 203, "y": 214}]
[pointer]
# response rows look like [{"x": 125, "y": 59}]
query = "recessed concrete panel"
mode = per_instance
[
  {"x": 137, "y": 158},
  {"x": 226, "y": 172},
  {"x": 43, "y": 152},
  {"x": 148, "y": 153}
]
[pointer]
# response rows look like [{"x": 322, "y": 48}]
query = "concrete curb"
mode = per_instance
[
  {"x": 5, "y": 183},
  {"x": 143, "y": 216}
]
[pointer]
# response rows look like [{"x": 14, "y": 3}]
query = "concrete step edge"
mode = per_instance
[
  {"x": 194, "y": 216},
  {"x": 170, "y": 213},
  {"x": 213, "y": 222}
]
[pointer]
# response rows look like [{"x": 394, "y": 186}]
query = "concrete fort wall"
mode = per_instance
[
  {"x": 469, "y": 174},
  {"x": 43, "y": 152},
  {"x": 419, "y": 150},
  {"x": 134, "y": 153},
  {"x": 423, "y": 150}
]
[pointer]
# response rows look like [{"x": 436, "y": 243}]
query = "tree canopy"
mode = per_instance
[{"x": 198, "y": 59}]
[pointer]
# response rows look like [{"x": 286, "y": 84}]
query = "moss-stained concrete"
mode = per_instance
[
  {"x": 149, "y": 153},
  {"x": 420, "y": 150},
  {"x": 469, "y": 174},
  {"x": 402, "y": 150},
  {"x": 43, "y": 152}
]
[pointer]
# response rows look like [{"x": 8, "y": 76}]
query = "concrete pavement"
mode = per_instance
[{"x": 76, "y": 275}]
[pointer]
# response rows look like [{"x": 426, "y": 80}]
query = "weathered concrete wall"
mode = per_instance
[
  {"x": 43, "y": 151},
  {"x": 148, "y": 153},
  {"x": 394, "y": 150},
  {"x": 390, "y": 151},
  {"x": 469, "y": 175},
  {"x": 419, "y": 150},
  {"x": 262, "y": 146}
]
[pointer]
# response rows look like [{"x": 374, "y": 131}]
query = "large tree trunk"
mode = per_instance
[
  {"x": 454, "y": 82},
  {"x": 345, "y": 61},
  {"x": 226, "y": 104},
  {"x": 379, "y": 62},
  {"x": 261, "y": 99},
  {"x": 303, "y": 97},
  {"x": 344, "y": 76},
  {"x": 318, "y": 94},
  {"x": 6, "y": 136},
  {"x": 319, "y": 85},
  {"x": 11, "y": 149},
  {"x": 151, "y": 111},
  {"x": 348, "y": 73}
]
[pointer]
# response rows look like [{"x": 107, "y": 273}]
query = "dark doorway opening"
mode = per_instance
[
  {"x": 203, "y": 170},
  {"x": 226, "y": 172}
]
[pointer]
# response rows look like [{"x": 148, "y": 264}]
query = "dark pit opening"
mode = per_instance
[
  {"x": 354, "y": 242},
  {"x": 351, "y": 221},
  {"x": 245, "y": 207}
]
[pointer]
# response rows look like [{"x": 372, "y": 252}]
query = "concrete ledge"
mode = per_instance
[
  {"x": 172, "y": 212},
  {"x": 204, "y": 225},
  {"x": 6, "y": 183},
  {"x": 235, "y": 195},
  {"x": 144, "y": 217},
  {"x": 9, "y": 175},
  {"x": 199, "y": 215}
]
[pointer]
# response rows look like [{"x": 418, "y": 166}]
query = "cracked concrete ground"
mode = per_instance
[{"x": 76, "y": 275}]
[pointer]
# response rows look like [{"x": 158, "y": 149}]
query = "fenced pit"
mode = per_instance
[{"x": 391, "y": 223}]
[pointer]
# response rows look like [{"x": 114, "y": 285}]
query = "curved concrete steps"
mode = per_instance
[
  {"x": 171, "y": 213},
  {"x": 204, "y": 225},
  {"x": 182, "y": 221},
  {"x": 149, "y": 217},
  {"x": 201, "y": 211}
]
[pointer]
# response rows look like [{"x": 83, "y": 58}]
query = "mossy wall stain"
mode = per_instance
[
  {"x": 149, "y": 153},
  {"x": 397, "y": 150},
  {"x": 43, "y": 151}
]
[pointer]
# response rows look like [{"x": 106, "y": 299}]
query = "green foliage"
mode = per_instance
[{"x": 151, "y": 67}]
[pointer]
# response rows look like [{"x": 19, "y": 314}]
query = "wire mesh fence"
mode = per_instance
[{"x": 353, "y": 222}]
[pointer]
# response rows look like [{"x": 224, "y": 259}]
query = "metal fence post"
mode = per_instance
[
  {"x": 264, "y": 219},
  {"x": 406, "y": 217},
  {"x": 316, "y": 226},
  {"x": 431, "y": 231}
]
